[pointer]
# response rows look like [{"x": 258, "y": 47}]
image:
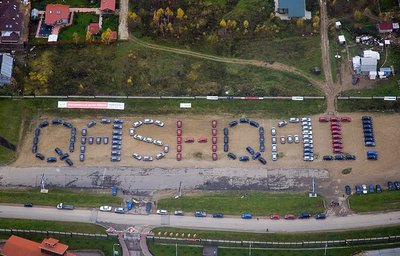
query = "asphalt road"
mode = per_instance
[{"x": 224, "y": 224}]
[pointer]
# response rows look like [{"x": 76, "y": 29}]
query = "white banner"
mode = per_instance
[
  {"x": 212, "y": 97},
  {"x": 297, "y": 98},
  {"x": 390, "y": 98},
  {"x": 185, "y": 105},
  {"x": 91, "y": 105}
]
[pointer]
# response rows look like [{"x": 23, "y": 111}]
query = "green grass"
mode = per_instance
[
  {"x": 110, "y": 21},
  {"x": 285, "y": 237},
  {"x": 51, "y": 226},
  {"x": 368, "y": 106},
  {"x": 6, "y": 155},
  {"x": 11, "y": 114},
  {"x": 56, "y": 196},
  {"x": 80, "y": 23},
  {"x": 385, "y": 201},
  {"x": 257, "y": 203}
]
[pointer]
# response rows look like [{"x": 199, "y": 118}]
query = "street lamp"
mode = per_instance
[{"x": 115, "y": 252}]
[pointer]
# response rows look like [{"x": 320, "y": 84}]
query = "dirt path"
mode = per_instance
[
  {"x": 123, "y": 33},
  {"x": 276, "y": 65}
]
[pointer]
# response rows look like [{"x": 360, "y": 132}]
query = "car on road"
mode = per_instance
[
  {"x": 200, "y": 214},
  {"x": 178, "y": 213},
  {"x": 320, "y": 216},
  {"x": 159, "y": 123},
  {"x": 289, "y": 217},
  {"x": 63, "y": 206},
  {"x": 247, "y": 216},
  {"x": 273, "y": 131},
  {"x": 218, "y": 215},
  {"x": 105, "y": 208},
  {"x": 347, "y": 190},
  {"x": 233, "y": 123},
  {"x": 119, "y": 210},
  {"x": 28, "y": 204},
  {"x": 162, "y": 212},
  {"x": 274, "y": 216},
  {"x": 304, "y": 215}
]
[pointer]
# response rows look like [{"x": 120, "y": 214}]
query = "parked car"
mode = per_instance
[
  {"x": 327, "y": 158},
  {"x": 147, "y": 158},
  {"x": 289, "y": 217},
  {"x": 254, "y": 124},
  {"x": 43, "y": 124},
  {"x": 226, "y": 147},
  {"x": 159, "y": 123},
  {"x": 81, "y": 157},
  {"x": 115, "y": 159},
  {"x": 202, "y": 140},
  {"x": 98, "y": 140},
  {"x": 244, "y": 158},
  {"x": 137, "y": 156},
  {"x": 214, "y": 156},
  {"x": 39, "y": 156},
  {"x": 148, "y": 121},
  {"x": 390, "y": 185},
  {"x": 273, "y": 131},
  {"x": 179, "y": 148},
  {"x": 378, "y": 188},
  {"x": 166, "y": 148},
  {"x": 138, "y": 137},
  {"x": 214, "y": 148},
  {"x": 283, "y": 140},
  {"x": 371, "y": 188},
  {"x": 218, "y": 215},
  {"x": 105, "y": 140},
  {"x": 158, "y": 142},
  {"x": 233, "y": 123},
  {"x": 244, "y": 120},
  {"x": 296, "y": 139},
  {"x": 232, "y": 155},
  {"x": 320, "y": 216},
  {"x": 256, "y": 155},
  {"x": 160, "y": 155},
  {"x": 56, "y": 121},
  {"x": 294, "y": 120},
  {"x": 345, "y": 119},
  {"x": 116, "y": 153},
  {"x": 214, "y": 140},
  {"x": 105, "y": 121},
  {"x": 273, "y": 140},
  {"x": 396, "y": 185},
  {"x": 131, "y": 131},
  {"x": 189, "y": 139},
  {"x": 274, "y": 156},
  {"x": 262, "y": 160},
  {"x": 347, "y": 189},
  {"x": 334, "y": 119},
  {"x": 214, "y": 123},
  {"x": 324, "y": 119},
  {"x": 116, "y": 147},
  {"x": 51, "y": 160},
  {"x": 117, "y": 132},
  {"x": 178, "y": 156},
  {"x": 162, "y": 212},
  {"x": 214, "y": 132},
  {"x": 304, "y": 215},
  {"x": 340, "y": 157},
  {"x": 282, "y": 123},
  {"x": 200, "y": 214},
  {"x": 350, "y": 157},
  {"x": 364, "y": 189},
  {"x": 358, "y": 189},
  {"x": 91, "y": 123},
  {"x": 178, "y": 124},
  {"x": 105, "y": 208},
  {"x": 178, "y": 213},
  {"x": 250, "y": 150},
  {"x": 117, "y": 127},
  {"x": 274, "y": 216},
  {"x": 91, "y": 140},
  {"x": 119, "y": 210}
]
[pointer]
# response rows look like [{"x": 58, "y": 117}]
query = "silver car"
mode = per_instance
[
  {"x": 148, "y": 121},
  {"x": 159, "y": 123},
  {"x": 166, "y": 148},
  {"x": 148, "y": 139},
  {"x": 148, "y": 158},
  {"x": 273, "y": 131},
  {"x": 273, "y": 140},
  {"x": 137, "y": 156},
  {"x": 274, "y": 156},
  {"x": 274, "y": 148},
  {"x": 296, "y": 139},
  {"x": 160, "y": 155},
  {"x": 131, "y": 131},
  {"x": 283, "y": 140},
  {"x": 138, "y": 137},
  {"x": 294, "y": 120},
  {"x": 158, "y": 142},
  {"x": 137, "y": 124},
  {"x": 289, "y": 139}
]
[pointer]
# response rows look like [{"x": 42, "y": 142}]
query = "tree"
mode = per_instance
[
  {"x": 246, "y": 24},
  {"x": 88, "y": 36},
  {"x": 106, "y": 36},
  {"x": 180, "y": 14},
  {"x": 357, "y": 15},
  {"x": 315, "y": 24},
  {"x": 300, "y": 23},
  {"x": 75, "y": 37},
  {"x": 222, "y": 23}
]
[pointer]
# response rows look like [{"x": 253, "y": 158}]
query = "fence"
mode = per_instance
[
  {"x": 259, "y": 244},
  {"x": 385, "y": 98},
  {"x": 58, "y": 233}
]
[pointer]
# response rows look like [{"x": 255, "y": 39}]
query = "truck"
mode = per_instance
[{"x": 63, "y": 206}]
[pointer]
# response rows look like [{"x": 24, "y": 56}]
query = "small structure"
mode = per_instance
[
  {"x": 34, "y": 14},
  {"x": 18, "y": 246},
  {"x": 395, "y": 26},
  {"x": 6, "y": 67},
  {"x": 316, "y": 70},
  {"x": 114, "y": 36},
  {"x": 10, "y": 21},
  {"x": 387, "y": 42},
  {"x": 107, "y": 6},
  {"x": 368, "y": 65},
  {"x": 52, "y": 38},
  {"x": 372, "y": 54},
  {"x": 291, "y": 9},
  {"x": 385, "y": 27},
  {"x": 338, "y": 24},
  {"x": 93, "y": 28},
  {"x": 384, "y": 72},
  {"x": 56, "y": 14},
  {"x": 342, "y": 39}
]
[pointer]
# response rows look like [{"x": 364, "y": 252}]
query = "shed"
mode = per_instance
[
  {"x": 34, "y": 14},
  {"x": 372, "y": 54},
  {"x": 372, "y": 75},
  {"x": 6, "y": 67},
  {"x": 385, "y": 27},
  {"x": 368, "y": 65},
  {"x": 338, "y": 24},
  {"x": 342, "y": 39},
  {"x": 386, "y": 71}
]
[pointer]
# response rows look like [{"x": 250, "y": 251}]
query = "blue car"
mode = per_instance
[
  {"x": 218, "y": 215},
  {"x": 378, "y": 188},
  {"x": 114, "y": 191},
  {"x": 129, "y": 205},
  {"x": 250, "y": 150},
  {"x": 247, "y": 216},
  {"x": 358, "y": 189},
  {"x": 371, "y": 188}
]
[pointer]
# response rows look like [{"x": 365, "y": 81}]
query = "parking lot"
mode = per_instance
[{"x": 200, "y": 154}]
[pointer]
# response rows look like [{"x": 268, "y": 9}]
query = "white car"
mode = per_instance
[
  {"x": 148, "y": 121},
  {"x": 364, "y": 189},
  {"x": 282, "y": 123},
  {"x": 296, "y": 139},
  {"x": 283, "y": 140},
  {"x": 131, "y": 131},
  {"x": 105, "y": 208},
  {"x": 289, "y": 139},
  {"x": 137, "y": 124},
  {"x": 274, "y": 156},
  {"x": 306, "y": 119},
  {"x": 159, "y": 123},
  {"x": 273, "y": 140},
  {"x": 308, "y": 141},
  {"x": 308, "y": 145},
  {"x": 148, "y": 139},
  {"x": 158, "y": 142},
  {"x": 306, "y": 127},
  {"x": 160, "y": 155},
  {"x": 294, "y": 120},
  {"x": 178, "y": 213},
  {"x": 138, "y": 137},
  {"x": 162, "y": 212},
  {"x": 308, "y": 158},
  {"x": 273, "y": 131},
  {"x": 137, "y": 156},
  {"x": 274, "y": 148},
  {"x": 166, "y": 148}
]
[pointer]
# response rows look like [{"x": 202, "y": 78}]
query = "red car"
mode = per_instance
[
  {"x": 214, "y": 156},
  {"x": 214, "y": 123},
  {"x": 338, "y": 151},
  {"x": 336, "y": 133},
  {"x": 214, "y": 148},
  {"x": 202, "y": 140},
  {"x": 179, "y": 140},
  {"x": 290, "y": 217},
  {"x": 179, "y": 132},
  {"x": 337, "y": 146},
  {"x": 179, "y": 148},
  {"x": 189, "y": 139},
  {"x": 334, "y": 119},
  {"x": 274, "y": 216},
  {"x": 324, "y": 119},
  {"x": 337, "y": 141},
  {"x": 336, "y": 137},
  {"x": 336, "y": 128},
  {"x": 179, "y": 124},
  {"x": 345, "y": 119},
  {"x": 214, "y": 132},
  {"x": 178, "y": 156},
  {"x": 214, "y": 140},
  {"x": 335, "y": 123}
]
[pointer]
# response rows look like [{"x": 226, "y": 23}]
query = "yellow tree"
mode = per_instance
[
  {"x": 246, "y": 24},
  {"x": 300, "y": 23},
  {"x": 315, "y": 24},
  {"x": 180, "y": 14},
  {"x": 169, "y": 13},
  {"x": 88, "y": 36},
  {"x": 106, "y": 36},
  {"x": 222, "y": 23},
  {"x": 75, "y": 37},
  {"x": 170, "y": 28},
  {"x": 357, "y": 15}
]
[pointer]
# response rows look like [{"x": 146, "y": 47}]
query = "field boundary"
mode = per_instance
[
  {"x": 58, "y": 233},
  {"x": 385, "y": 98}
]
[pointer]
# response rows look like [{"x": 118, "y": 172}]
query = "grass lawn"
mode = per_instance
[
  {"x": 56, "y": 196},
  {"x": 81, "y": 21},
  {"x": 368, "y": 106},
  {"x": 51, "y": 226},
  {"x": 6, "y": 155},
  {"x": 257, "y": 203},
  {"x": 385, "y": 201},
  {"x": 110, "y": 21},
  {"x": 11, "y": 114}
]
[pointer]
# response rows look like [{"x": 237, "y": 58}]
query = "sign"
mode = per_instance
[
  {"x": 297, "y": 98},
  {"x": 390, "y": 98},
  {"x": 212, "y": 97},
  {"x": 91, "y": 105},
  {"x": 185, "y": 105}
]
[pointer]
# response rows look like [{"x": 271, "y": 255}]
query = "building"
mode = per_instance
[
  {"x": 18, "y": 246},
  {"x": 372, "y": 54},
  {"x": 56, "y": 14},
  {"x": 338, "y": 24},
  {"x": 291, "y": 9},
  {"x": 6, "y": 67},
  {"x": 107, "y": 6},
  {"x": 10, "y": 22},
  {"x": 385, "y": 27},
  {"x": 342, "y": 39}
]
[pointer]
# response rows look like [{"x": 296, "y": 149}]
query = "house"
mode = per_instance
[
  {"x": 10, "y": 22},
  {"x": 18, "y": 246},
  {"x": 385, "y": 27},
  {"x": 342, "y": 39},
  {"x": 291, "y": 9},
  {"x": 107, "y": 6},
  {"x": 368, "y": 65},
  {"x": 93, "y": 28},
  {"x": 338, "y": 24},
  {"x": 56, "y": 14},
  {"x": 6, "y": 67}
]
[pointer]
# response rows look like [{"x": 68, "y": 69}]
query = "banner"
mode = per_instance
[{"x": 91, "y": 105}]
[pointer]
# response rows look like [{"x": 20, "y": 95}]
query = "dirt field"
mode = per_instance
[{"x": 386, "y": 127}]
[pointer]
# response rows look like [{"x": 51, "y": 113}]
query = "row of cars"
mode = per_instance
[
  {"x": 362, "y": 189},
  {"x": 368, "y": 131},
  {"x": 308, "y": 142},
  {"x": 339, "y": 157},
  {"x": 255, "y": 155}
]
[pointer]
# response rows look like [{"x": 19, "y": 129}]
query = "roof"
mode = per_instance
[
  {"x": 342, "y": 38},
  {"x": 55, "y": 13},
  {"x": 18, "y": 246},
  {"x": 296, "y": 8},
  {"x": 10, "y": 18},
  {"x": 53, "y": 245},
  {"x": 368, "y": 64},
  {"x": 6, "y": 65},
  {"x": 372, "y": 54},
  {"x": 93, "y": 28},
  {"x": 107, "y": 5},
  {"x": 385, "y": 26}
]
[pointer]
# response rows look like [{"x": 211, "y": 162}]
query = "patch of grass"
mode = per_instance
[
  {"x": 80, "y": 23},
  {"x": 346, "y": 171},
  {"x": 157, "y": 249},
  {"x": 6, "y": 155},
  {"x": 56, "y": 196},
  {"x": 257, "y": 203},
  {"x": 51, "y": 226},
  {"x": 11, "y": 113},
  {"x": 110, "y": 21},
  {"x": 385, "y": 201},
  {"x": 285, "y": 237},
  {"x": 368, "y": 106}
]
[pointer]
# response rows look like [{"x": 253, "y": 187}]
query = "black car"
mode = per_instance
[
  {"x": 35, "y": 140},
  {"x": 116, "y": 147},
  {"x": 82, "y": 157},
  {"x": 367, "y": 131},
  {"x": 67, "y": 124},
  {"x": 244, "y": 120},
  {"x": 117, "y": 126},
  {"x": 390, "y": 185},
  {"x": 91, "y": 123},
  {"x": 232, "y": 155},
  {"x": 118, "y": 121},
  {"x": 105, "y": 121},
  {"x": 396, "y": 185},
  {"x": 226, "y": 147},
  {"x": 56, "y": 121},
  {"x": 256, "y": 155},
  {"x": 340, "y": 157},
  {"x": 84, "y": 132},
  {"x": 43, "y": 124},
  {"x": 91, "y": 140},
  {"x": 71, "y": 147},
  {"x": 320, "y": 216},
  {"x": 218, "y": 215},
  {"x": 83, "y": 140},
  {"x": 304, "y": 215},
  {"x": 254, "y": 123},
  {"x": 37, "y": 132},
  {"x": 262, "y": 147},
  {"x": 98, "y": 140},
  {"x": 39, "y": 156},
  {"x": 226, "y": 131},
  {"x": 358, "y": 189},
  {"x": 371, "y": 157},
  {"x": 69, "y": 162},
  {"x": 261, "y": 131},
  {"x": 51, "y": 159},
  {"x": 73, "y": 131},
  {"x": 262, "y": 160},
  {"x": 72, "y": 139},
  {"x": 83, "y": 149},
  {"x": 378, "y": 188},
  {"x": 327, "y": 158},
  {"x": 366, "y": 118},
  {"x": 233, "y": 123},
  {"x": 244, "y": 158},
  {"x": 226, "y": 139},
  {"x": 116, "y": 142},
  {"x": 64, "y": 156},
  {"x": 350, "y": 157},
  {"x": 58, "y": 151},
  {"x": 347, "y": 189},
  {"x": 250, "y": 150},
  {"x": 117, "y": 132},
  {"x": 367, "y": 126},
  {"x": 28, "y": 204}
]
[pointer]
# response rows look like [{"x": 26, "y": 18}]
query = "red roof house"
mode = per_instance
[
  {"x": 56, "y": 14},
  {"x": 18, "y": 246},
  {"x": 107, "y": 5},
  {"x": 93, "y": 28},
  {"x": 385, "y": 27},
  {"x": 10, "y": 21}
]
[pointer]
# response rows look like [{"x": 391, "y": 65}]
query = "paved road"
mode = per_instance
[{"x": 225, "y": 224}]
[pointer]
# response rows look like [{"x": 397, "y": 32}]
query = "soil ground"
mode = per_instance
[{"x": 198, "y": 155}]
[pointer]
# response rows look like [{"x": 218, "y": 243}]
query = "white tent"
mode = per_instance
[
  {"x": 372, "y": 54},
  {"x": 341, "y": 39}
]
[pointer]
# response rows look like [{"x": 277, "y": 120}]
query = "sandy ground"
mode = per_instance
[{"x": 197, "y": 155}]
